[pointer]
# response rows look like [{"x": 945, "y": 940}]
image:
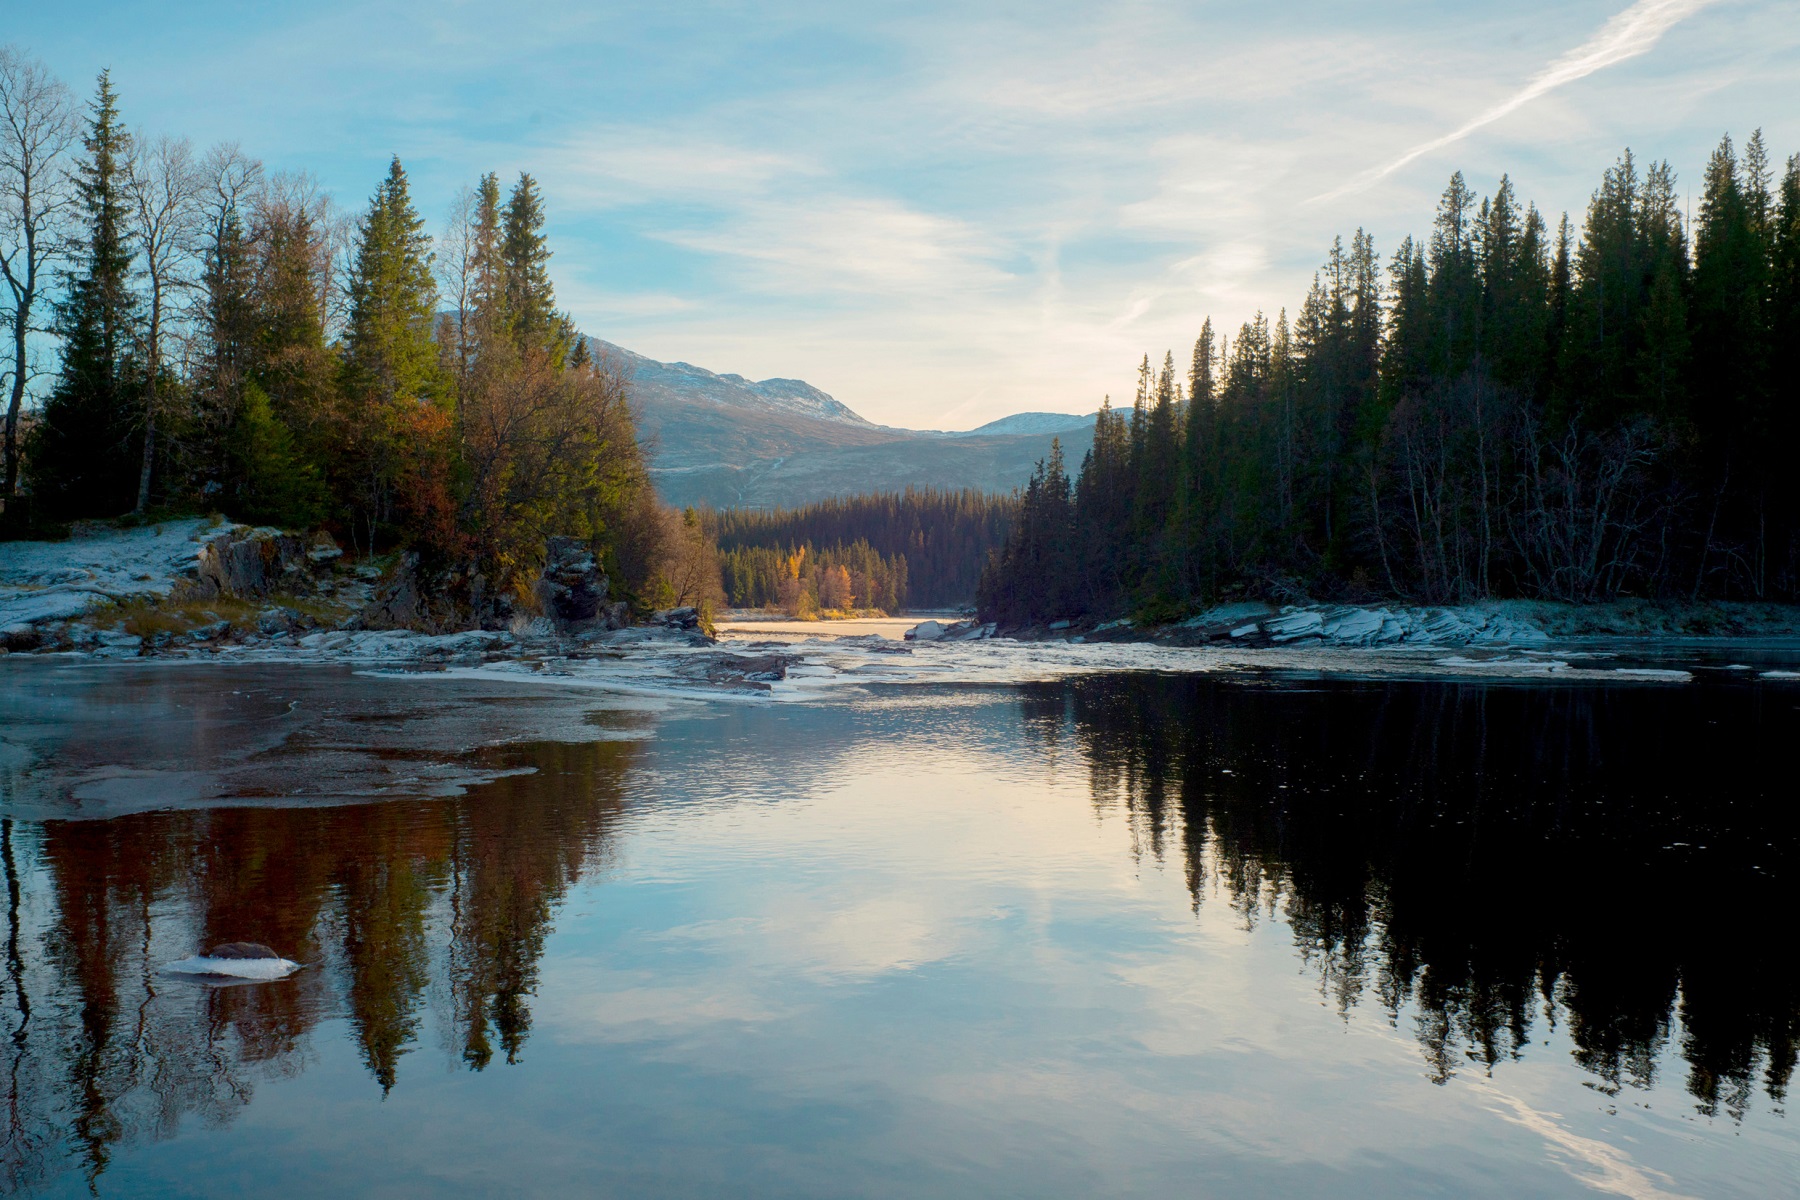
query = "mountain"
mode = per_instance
[
  {"x": 725, "y": 440},
  {"x": 1029, "y": 422}
]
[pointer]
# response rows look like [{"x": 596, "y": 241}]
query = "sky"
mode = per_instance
[{"x": 942, "y": 213}]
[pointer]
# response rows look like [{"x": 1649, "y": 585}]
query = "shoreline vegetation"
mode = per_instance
[
  {"x": 226, "y": 338},
  {"x": 1503, "y": 412}
]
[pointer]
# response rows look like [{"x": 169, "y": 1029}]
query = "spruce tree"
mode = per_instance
[
  {"x": 389, "y": 353},
  {"x": 530, "y": 298},
  {"x": 392, "y": 372},
  {"x": 85, "y": 446}
]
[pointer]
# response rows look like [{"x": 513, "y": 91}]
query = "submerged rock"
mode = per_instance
[
  {"x": 676, "y": 618},
  {"x": 753, "y": 668}
]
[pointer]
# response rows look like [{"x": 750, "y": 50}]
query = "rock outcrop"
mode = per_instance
[
  {"x": 572, "y": 590},
  {"x": 398, "y": 602},
  {"x": 252, "y": 563}
]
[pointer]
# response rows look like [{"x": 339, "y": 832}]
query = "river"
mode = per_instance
[{"x": 1111, "y": 934}]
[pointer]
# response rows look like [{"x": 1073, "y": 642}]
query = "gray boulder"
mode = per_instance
[{"x": 273, "y": 622}]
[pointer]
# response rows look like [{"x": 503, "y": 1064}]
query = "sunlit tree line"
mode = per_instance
[
  {"x": 205, "y": 334},
  {"x": 1506, "y": 408},
  {"x": 935, "y": 539},
  {"x": 805, "y": 582}
]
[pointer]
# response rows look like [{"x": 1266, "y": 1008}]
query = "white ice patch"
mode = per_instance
[
  {"x": 1658, "y": 673},
  {"x": 233, "y": 968}
]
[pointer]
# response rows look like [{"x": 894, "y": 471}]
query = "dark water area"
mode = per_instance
[{"x": 1117, "y": 935}]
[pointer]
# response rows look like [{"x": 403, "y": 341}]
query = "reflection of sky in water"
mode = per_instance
[{"x": 921, "y": 943}]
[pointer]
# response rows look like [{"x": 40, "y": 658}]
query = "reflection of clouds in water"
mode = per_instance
[
  {"x": 1602, "y": 1167},
  {"x": 984, "y": 952}
]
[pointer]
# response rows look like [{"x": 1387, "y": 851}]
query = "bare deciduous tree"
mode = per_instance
[
  {"x": 165, "y": 186},
  {"x": 37, "y": 128}
]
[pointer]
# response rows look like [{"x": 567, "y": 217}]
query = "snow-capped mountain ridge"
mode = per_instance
[{"x": 730, "y": 390}]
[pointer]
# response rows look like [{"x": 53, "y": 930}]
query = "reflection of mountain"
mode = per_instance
[
  {"x": 725, "y": 440},
  {"x": 1617, "y": 862},
  {"x": 367, "y": 895}
]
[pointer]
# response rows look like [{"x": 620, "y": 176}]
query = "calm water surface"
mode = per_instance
[{"x": 1135, "y": 935}]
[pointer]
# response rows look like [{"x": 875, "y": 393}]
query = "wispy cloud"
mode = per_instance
[
  {"x": 943, "y": 212},
  {"x": 1627, "y": 35}
]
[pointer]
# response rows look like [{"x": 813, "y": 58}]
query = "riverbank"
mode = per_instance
[{"x": 203, "y": 592}]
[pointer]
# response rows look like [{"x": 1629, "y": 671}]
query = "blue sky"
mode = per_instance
[{"x": 943, "y": 213}]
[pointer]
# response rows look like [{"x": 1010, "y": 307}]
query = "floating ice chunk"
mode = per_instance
[
  {"x": 925, "y": 631},
  {"x": 235, "y": 960},
  {"x": 1779, "y": 675},
  {"x": 1662, "y": 673}
]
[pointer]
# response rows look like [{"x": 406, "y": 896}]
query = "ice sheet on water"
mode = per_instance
[{"x": 260, "y": 969}]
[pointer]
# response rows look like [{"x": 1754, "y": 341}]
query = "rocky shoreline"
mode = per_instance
[
  {"x": 1253, "y": 624},
  {"x": 202, "y": 588}
]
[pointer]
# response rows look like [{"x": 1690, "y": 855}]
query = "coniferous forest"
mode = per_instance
[
  {"x": 230, "y": 341},
  {"x": 922, "y": 548},
  {"x": 1502, "y": 409}
]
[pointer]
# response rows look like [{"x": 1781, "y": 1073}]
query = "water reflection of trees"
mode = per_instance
[
  {"x": 400, "y": 908},
  {"x": 1488, "y": 862}
]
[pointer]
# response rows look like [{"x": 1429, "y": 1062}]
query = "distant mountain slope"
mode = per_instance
[
  {"x": 691, "y": 383},
  {"x": 1030, "y": 422},
  {"x": 724, "y": 440}
]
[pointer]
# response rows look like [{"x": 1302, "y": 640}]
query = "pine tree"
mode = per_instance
[
  {"x": 392, "y": 373},
  {"x": 289, "y": 356},
  {"x": 85, "y": 446},
  {"x": 1454, "y": 296},
  {"x": 1728, "y": 397},
  {"x": 388, "y": 347},
  {"x": 489, "y": 297},
  {"x": 1784, "y": 367},
  {"x": 530, "y": 298},
  {"x": 270, "y": 480}
]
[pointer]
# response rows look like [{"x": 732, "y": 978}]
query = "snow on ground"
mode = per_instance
[{"x": 51, "y": 581}]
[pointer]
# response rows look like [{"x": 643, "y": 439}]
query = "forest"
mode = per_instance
[
  {"x": 228, "y": 340},
  {"x": 1504, "y": 410},
  {"x": 921, "y": 548}
]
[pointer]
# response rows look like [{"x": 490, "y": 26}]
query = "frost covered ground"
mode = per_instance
[{"x": 50, "y": 581}]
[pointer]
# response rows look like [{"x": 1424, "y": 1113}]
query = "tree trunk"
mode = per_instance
[
  {"x": 16, "y": 400},
  {"x": 143, "y": 492}
]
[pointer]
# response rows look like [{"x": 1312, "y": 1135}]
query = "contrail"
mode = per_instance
[{"x": 1626, "y": 35}]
